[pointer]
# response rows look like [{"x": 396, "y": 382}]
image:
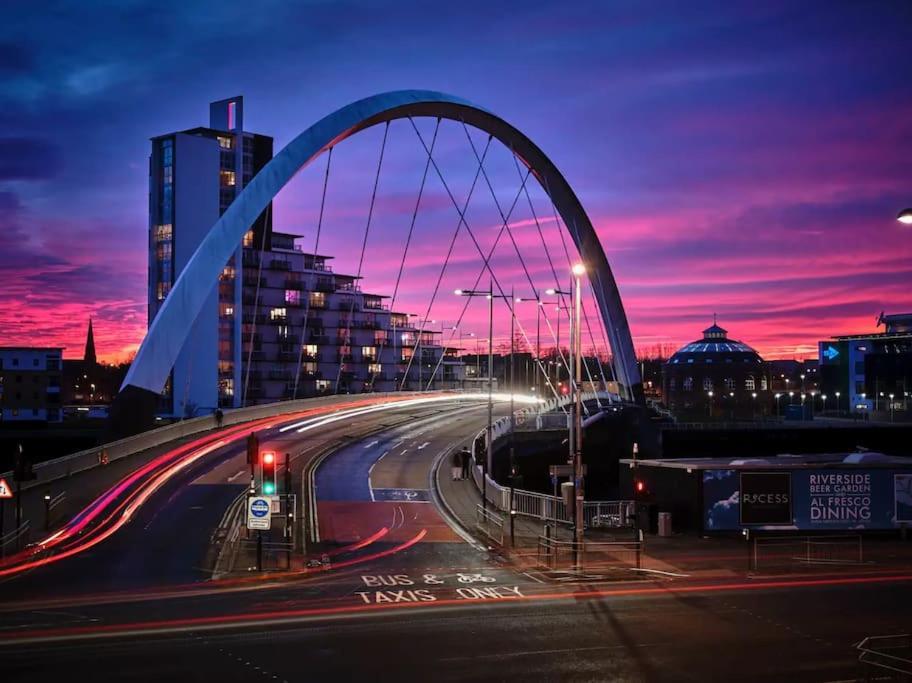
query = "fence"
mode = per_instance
[
  {"x": 554, "y": 554},
  {"x": 886, "y": 657},
  {"x": 489, "y": 523},
  {"x": 787, "y": 552},
  {"x": 606, "y": 514}
]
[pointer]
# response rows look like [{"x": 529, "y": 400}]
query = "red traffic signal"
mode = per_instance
[{"x": 268, "y": 464}]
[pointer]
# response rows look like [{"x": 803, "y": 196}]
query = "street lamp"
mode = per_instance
[
  {"x": 823, "y": 396},
  {"x": 710, "y": 394},
  {"x": 905, "y": 217},
  {"x": 489, "y": 455},
  {"x": 891, "y": 407},
  {"x": 578, "y": 489},
  {"x": 778, "y": 396},
  {"x": 837, "y": 402}
]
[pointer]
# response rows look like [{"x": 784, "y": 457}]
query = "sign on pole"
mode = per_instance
[
  {"x": 259, "y": 513},
  {"x": 5, "y": 490}
]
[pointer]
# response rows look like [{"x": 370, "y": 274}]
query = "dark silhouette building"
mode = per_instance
[{"x": 717, "y": 378}]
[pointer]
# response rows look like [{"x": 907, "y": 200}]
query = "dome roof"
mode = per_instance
[{"x": 715, "y": 346}]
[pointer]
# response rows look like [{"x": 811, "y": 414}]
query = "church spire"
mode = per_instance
[{"x": 90, "y": 346}]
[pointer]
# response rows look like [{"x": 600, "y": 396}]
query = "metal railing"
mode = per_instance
[
  {"x": 554, "y": 553},
  {"x": 605, "y": 514},
  {"x": 889, "y": 656},
  {"x": 769, "y": 552},
  {"x": 489, "y": 523}
]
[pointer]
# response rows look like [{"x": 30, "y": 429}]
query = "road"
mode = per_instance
[{"x": 407, "y": 596}]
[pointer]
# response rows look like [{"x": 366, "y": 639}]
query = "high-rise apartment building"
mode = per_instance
[{"x": 279, "y": 323}]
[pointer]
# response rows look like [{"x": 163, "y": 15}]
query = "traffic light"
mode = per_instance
[
  {"x": 253, "y": 448},
  {"x": 268, "y": 464}
]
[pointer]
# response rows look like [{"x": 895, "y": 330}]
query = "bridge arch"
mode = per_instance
[{"x": 172, "y": 325}]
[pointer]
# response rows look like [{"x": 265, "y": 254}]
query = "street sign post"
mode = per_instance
[{"x": 259, "y": 513}]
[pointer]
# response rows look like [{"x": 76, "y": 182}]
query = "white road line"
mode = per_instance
[
  {"x": 235, "y": 476},
  {"x": 424, "y": 445},
  {"x": 372, "y": 443},
  {"x": 370, "y": 484},
  {"x": 659, "y": 571}
]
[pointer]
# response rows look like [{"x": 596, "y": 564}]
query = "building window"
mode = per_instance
[
  {"x": 163, "y": 232},
  {"x": 161, "y": 290},
  {"x": 322, "y": 385},
  {"x": 688, "y": 383},
  {"x": 374, "y": 368},
  {"x": 224, "y": 143},
  {"x": 278, "y": 314},
  {"x": 749, "y": 383},
  {"x": 227, "y": 178},
  {"x": 369, "y": 352},
  {"x": 763, "y": 383},
  {"x": 248, "y": 239},
  {"x": 282, "y": 331},
  {"x": 293, "y": 297},
  {"x": 311, "y": 350},
  {"x": 707, "y": 384},
  {"x": 671, "y": 384},
  {"x": 226, "y": 387},
  {"x": 317, "y": 300},
  {"x": 730, "y": 383},
  {"x": 163, "y": 251}
]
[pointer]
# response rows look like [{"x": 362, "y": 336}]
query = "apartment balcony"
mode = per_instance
[
  {"x": 280, "y": 375},
  {"x": 294, "y": 283},
  {"x": 278, "y": 319},
  {"x": 279, "y": 264},
  {"x": 344, "y": 358},
  {"x": 352, "y": 306},
  {"x": 250, "y": 300},
  {"x": 324, "y": 284},
  {"x": 287, "y": 356},
  {"x": 318, "y": 339},
  {"x": 290, "y": 342},
  {"x": 314, "y": 322}
]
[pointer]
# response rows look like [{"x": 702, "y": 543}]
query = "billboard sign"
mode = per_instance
[
  {"x": 765, "y": 498},
  {"x": 835, "y": 499}
]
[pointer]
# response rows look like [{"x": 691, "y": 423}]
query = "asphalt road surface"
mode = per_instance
[{"x": 407, "y": 596}]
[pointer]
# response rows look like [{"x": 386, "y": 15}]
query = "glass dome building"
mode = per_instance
[{"x": 717, "y": 377}]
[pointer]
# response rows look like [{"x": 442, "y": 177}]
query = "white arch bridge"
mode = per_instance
[{"x": 171, "y": 328}]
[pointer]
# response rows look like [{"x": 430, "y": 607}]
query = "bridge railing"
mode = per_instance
[{"x": 68, "y": 465}]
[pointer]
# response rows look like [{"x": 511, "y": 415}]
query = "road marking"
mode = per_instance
[
  {"x": 236, "y": 475},
  {"x": 370, "y": 472},
  {"x": 372, "y": 443},
  {"x": 659, "y": 571},
  {"x": 424, "y": 445}
]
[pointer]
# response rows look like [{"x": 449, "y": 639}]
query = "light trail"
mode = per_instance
[
  {"x": 184, "y": 455},
  {"x": 293, "y": 617}
]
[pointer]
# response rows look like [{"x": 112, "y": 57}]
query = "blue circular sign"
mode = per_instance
[{"x": 259, "y": 508}]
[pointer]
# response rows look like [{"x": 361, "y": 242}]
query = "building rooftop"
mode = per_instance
[
  {"x": 865, "y": 459},
  {"x": 715, "y": 341}
]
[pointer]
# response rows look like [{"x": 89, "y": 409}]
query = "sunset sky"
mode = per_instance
[{"x": 746, "y": 159}]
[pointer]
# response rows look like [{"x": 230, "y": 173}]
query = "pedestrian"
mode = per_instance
[
  {"x": 219, "y": 417},
  {"x": 465, "y": 459},
  {"x": 456, "y": 465}
]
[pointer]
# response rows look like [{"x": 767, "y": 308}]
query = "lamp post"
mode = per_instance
[
  {"x": 778, "y": 396},
  {"x": 578, "y": 271},
  {"x": 489, "y": 455},
  {"x": 710, "y": 394},
  {"x": 838, "y": 394},
  {"x": 824, "y": 397},
  {"x": 891, "y": 407}
]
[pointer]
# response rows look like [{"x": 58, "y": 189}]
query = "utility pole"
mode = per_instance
[
  {"x": 578, "y": 488},
  {"x": 512, "y": 418}
]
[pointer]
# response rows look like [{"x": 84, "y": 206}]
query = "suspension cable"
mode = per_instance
[
  {"x": 256, "y": 302},
  {"x": 310, "y": 277},
  {"x": 471, "y": 234},
  {"x": 541, "y": 235},
  {"x": 446, "y": 261},
  {"x": 516, "y": 246},
  {"x": 408, "y": 241},
  {"x": 370, "y": 215},
  {"x": 583, "y": 303},
  {"x": 481, "y": 273}
]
